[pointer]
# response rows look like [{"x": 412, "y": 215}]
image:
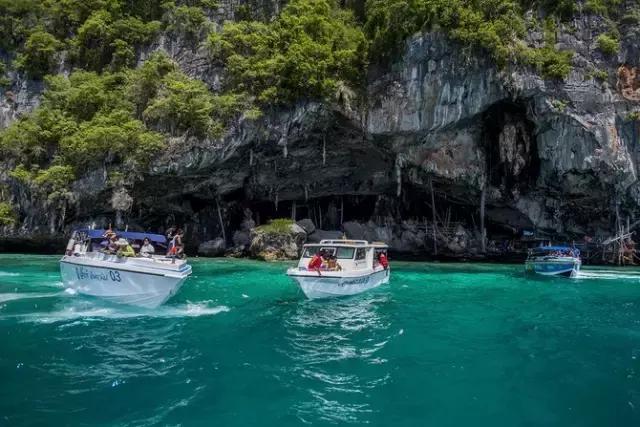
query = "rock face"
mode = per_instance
[
  {"x": 556, "y": 157},
  {"x": 277, "y": 246},
  {"x": 212, "y": 248}
]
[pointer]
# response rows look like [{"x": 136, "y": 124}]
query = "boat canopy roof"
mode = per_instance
[
  {"x": 553, "y": 248},
  {"x": 349, "y": 243},
  {"x": 130, "y": 235}
]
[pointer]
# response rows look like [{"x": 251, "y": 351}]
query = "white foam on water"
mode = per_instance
[
  {"x": 115, "y": 312},
  {"x": 8, "y": 274},
  {"x": 607, "y": 275},
  {"x": 13, "y": 296}
]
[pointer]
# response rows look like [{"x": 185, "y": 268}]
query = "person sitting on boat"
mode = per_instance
[
  {"x": 382, "y": 259},
  {"x": 316, "y": 262},
  {"x": 332, "y": 263},
  {"x": 111, "y": 244},
  {"x": 125, "y": 249},
  {"x": 147, "y": 250}
]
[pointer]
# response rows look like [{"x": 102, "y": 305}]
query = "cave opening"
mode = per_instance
[
  {"x": 509, "y": 142},
  {"x": 327, "y": 213}
]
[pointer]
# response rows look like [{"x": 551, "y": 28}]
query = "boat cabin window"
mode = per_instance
[
  {"x": 338, "y": 252},
  {"x": 345, "y": 253},
  {"x": 310, "y": 251},
  {"x": 361, "y": 253}
]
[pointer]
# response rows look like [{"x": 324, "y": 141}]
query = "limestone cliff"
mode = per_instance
[{"x": 555, "y": 157}]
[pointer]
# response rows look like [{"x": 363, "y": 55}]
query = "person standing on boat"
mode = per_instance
[
  {"x": 112, "y": 244},
  {"x": 176, "y": 247},
  {"x": 382, "y": 259},
  {"x": 316, "y": 262},
  {"x": 147, "y": 250}
]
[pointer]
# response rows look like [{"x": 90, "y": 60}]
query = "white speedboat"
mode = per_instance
[
  {"x": 141, "y": 281},
  {"x": 554, "y": 261},
  {"x": 359, "y": 263}
]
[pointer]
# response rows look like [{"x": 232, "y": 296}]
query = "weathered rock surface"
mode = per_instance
[
  {"x": 275, "y": 246},
  {"x": 552, "y": 156},
  {"x": 213, "y": 248}
]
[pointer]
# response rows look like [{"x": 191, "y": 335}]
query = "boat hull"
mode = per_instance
[
  {"x": 121, "y": 286},
  {"x": 554, "y": 268},
  {"x": 329, "y": 285}
]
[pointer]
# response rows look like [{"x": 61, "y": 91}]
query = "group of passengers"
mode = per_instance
[
  {"x": 120, "y": 246},
  {"x": 325, "y": 261}
]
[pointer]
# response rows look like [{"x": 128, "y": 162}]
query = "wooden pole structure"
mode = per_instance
[
  {"x": 341, "y": 210},
  {"x": 618, "y": 232},
  {"x": 433, "y": 216},
  {"x": 483, "y": 233},
  {"x": 293, "y": 211},
  {"x": 224, "y": 234},
  {"x": 324, "y": 149}
]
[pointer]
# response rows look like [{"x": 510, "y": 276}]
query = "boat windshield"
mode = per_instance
[
  {"x": 556, "y": 252},
  {"x": 340, "y": 252}
]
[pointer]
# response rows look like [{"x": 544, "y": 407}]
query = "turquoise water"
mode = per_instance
[{"x": 442, "y": 345}]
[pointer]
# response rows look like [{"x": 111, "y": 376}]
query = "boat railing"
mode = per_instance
[{"x": 344, "y": 242}]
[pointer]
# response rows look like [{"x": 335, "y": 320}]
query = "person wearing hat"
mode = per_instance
[{"x": 124, "y": 248}]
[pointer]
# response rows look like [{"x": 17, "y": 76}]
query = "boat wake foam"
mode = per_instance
[
  {"x": 8, "y": 274},
  {"x": 98, "y": 313},
  {"x": 14, "y": 296},
  {"x": 607, "y": 275}
]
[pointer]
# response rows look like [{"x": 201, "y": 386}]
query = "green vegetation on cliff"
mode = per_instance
[
  {"x": 277, "y": 226},
  {"x": 89, "y": 120},
  {"x": 7, "y": 214},
  {"x": 111, "y": 104},
  {"x": 497, "y": 26},
  {"x": 308, "y": 52}
]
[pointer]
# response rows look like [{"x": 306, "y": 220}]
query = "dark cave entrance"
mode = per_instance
[
  {"x": 327, "y": 213},
  {"x": 509, "y": 142}
]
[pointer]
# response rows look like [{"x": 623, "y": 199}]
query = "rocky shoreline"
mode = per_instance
[{"x": 409, "y": 242}]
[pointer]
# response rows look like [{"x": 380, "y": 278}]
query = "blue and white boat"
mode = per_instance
[
  {"x": 142, "y": 281},
  {"x": 554, "y": 261}
]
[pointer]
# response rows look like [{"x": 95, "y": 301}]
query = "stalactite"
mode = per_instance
[
  {"x": 324, "y": 149},
  {"x": 398, "y": 177}
]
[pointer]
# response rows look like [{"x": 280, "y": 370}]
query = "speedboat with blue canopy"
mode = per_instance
[
  {"x": 91, "y": 267},
  {"x": 554, "y": 261}
]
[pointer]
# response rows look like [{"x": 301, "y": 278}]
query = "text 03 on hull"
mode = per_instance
[
  {"x": 344, "y": 267},
  {"x": 145, "y": 282}
]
